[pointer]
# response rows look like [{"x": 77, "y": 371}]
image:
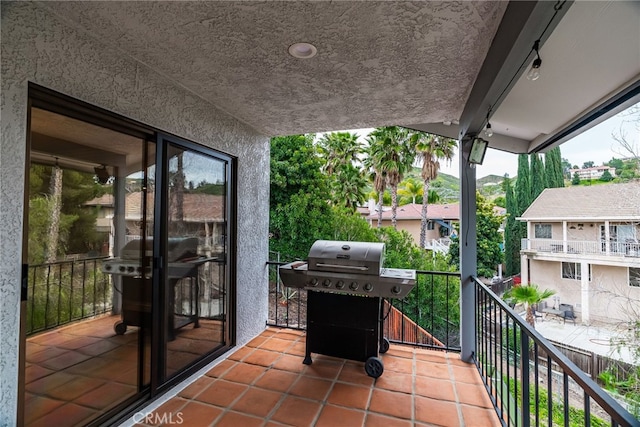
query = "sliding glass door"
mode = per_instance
[
  {"x": 195, "y": 251},
  {"x": 126, "y": 267}
]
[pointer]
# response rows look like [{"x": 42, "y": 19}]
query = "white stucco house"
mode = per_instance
[{"x": 584, "y": 243}]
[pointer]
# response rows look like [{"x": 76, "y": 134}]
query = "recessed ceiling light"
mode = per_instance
[{"x": 303, "y": 50}]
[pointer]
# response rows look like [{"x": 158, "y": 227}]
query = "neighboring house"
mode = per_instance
[
  {"x": 202, "y": 217},
  {"x": 594, "y": 172},
  {"x": 440, "y": 220},
  {"x": 584, "y": 243}
]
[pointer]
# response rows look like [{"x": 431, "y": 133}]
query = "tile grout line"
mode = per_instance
[{"x": 455, "y": 391}]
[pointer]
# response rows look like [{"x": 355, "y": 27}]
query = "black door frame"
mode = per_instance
[{"x": 47, "y": 99}]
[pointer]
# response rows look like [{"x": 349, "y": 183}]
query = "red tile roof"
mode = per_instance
[{"x": 413, "y": 211}]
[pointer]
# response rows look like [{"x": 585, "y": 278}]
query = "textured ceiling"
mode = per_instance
[{"x": 378, "y": 63}]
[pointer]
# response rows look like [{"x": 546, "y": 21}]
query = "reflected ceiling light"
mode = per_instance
[
  {"x": 534, "y": 71},
  {"x": 302, "y": 50},
  {"x": 102, "y": 174}
]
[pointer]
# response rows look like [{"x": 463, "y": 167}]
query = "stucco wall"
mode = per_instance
[
  {"x": 38, "y": 47},
  {"x": 611, "y": 299}
]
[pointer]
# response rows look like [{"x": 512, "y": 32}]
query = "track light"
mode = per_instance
[
  {"x": 488, "y": 132},
  {"x": 534, "y": 71}
]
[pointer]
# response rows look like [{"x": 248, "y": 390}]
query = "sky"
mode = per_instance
[{"x": 596, "y": 144}]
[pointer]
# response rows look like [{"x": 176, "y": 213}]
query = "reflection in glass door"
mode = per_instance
[
  {"x": 195, "y": 277},
  {"x": 86, "y": 321}
]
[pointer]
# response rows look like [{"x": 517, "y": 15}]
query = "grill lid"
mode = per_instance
[
  {"x": 178, "y": 248},
  {"x": 346, "y": 257}
]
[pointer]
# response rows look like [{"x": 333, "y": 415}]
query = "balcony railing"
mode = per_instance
[
  {"x": 529, "y": 381},
  {"x": 515, "y": 362},
  {"x": 66, "y": 291},
  {"x": 629, "y": 248},
  {"x": 429, "y": 316}
]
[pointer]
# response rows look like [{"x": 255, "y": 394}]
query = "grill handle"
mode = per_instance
[{"x": 345, "y": 267}]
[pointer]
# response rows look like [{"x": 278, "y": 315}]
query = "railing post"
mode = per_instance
[{"x": 524, "y": 376}]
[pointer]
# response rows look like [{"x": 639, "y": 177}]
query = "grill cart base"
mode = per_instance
[{"x": 346, "y": 326}]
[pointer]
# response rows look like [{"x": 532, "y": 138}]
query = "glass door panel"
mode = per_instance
[
  {"x": 196, "y": 245},
  {"x": 86, "y": 312}
]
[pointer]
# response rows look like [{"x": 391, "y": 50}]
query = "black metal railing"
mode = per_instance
[
  {"x": 529, "y": 381},
  {"x": 429, "y": 316},
  {"x": 66, "y": 291}
]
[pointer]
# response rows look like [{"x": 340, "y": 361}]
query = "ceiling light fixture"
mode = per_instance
[
  {"x": 534, "y": 71},
  {"x": 488, "y": 132},
  {"x": 302, "y": 50}
]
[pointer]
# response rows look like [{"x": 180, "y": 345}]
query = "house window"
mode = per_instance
[
  {"x": 573, "y": 270},
  {"x": 430, "y": 225},
  {"x": 542, "y": 231},
  {"x": 634, "y": 277}
]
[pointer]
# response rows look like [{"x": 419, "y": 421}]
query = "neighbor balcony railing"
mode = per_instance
[
  {"x": 66, "y": 291},
  {"x": 627, "y": 248},
  {"x": 529, "y": 381}
]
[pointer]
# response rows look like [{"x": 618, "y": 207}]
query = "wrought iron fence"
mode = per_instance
[
  {"x": 66, "y": 291},
  {"x": 529, "y": 381},
  {"x": 429, "y": 316}
]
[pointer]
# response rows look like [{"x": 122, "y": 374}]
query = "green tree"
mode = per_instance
[
  {"x": 511, "y": 232},
  {"x": 488, "y": 238},
  {"x": 77, "y": 228},
  {"x": 500, "y": 201},
  {"x": 587, "y": 165},
  {"x": 410, "y": 189},
  {"x": 538, "y": 179},
  {"x": 430, "y": 150},
  {"x": 391, "y": 157},
  {"x": 299, "y": 212},
  {"x": 576, "y": 179},
  {"x": 554, "y": 174},
  {"x": 606, "y": 177},
  {"x": 528, "y": 295},
  {"x": 566, "y": 167},
  {"x": 523, "y": 185},
  {"x": 340, "y": 152},
  {"x": 616, "y": 163}
]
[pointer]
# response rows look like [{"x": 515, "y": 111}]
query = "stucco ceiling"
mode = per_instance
[{"x": 379, "y": 63}]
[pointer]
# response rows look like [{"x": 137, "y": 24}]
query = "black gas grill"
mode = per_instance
[
  {"x": 346, "y": 283},
  {"x": 135, "y": 271}
]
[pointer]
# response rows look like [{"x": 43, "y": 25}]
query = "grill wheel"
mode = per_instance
[{"x": 374, "y": 367}]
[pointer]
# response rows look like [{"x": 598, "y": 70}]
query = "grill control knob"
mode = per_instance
[
  {"x": 353, "y": 286},
  {"x": 368, "y": 287},
  {"x": 121, "y": 268},
  {"x": 396, "y": 290},
  {"x": 130, "y": 269},
  {"x": 340, "y": 284},
  {"x": 313, "y": 282},
  {"x": 108, "y": 267},
  {"x": 326, "y": 283}
]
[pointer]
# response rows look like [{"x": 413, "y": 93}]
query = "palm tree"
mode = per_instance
[
  {"x": 430, "y": 150},
  {"x": 378, "y": 176},
  {"x": 341, "y": 151},
  {"x": 349, "y": 187},
  {"x": 390, "y": 157},
  {"x": 528, "y": 295},
  {"x": 411, "y": 188}
]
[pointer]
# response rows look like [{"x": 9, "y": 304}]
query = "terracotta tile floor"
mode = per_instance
[
  {"x": 265, "y": 384},
  {"x": 77, "y": 372}
]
